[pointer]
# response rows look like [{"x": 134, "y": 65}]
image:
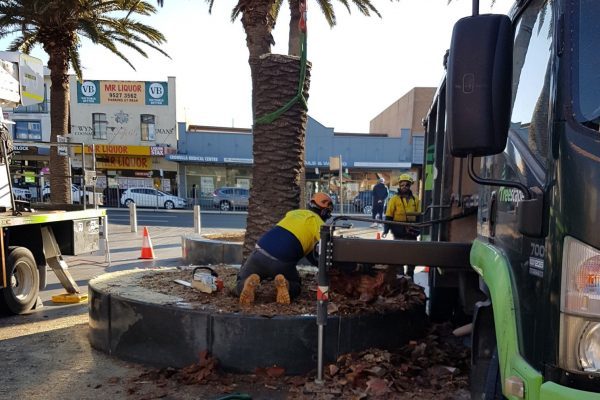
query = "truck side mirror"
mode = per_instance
[{"x": 478, "y": 85}]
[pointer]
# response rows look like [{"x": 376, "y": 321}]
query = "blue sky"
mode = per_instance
[{"x": 359, "y": 67}]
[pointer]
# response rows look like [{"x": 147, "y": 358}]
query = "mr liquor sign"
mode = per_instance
[{"x": 123, "y": 92}]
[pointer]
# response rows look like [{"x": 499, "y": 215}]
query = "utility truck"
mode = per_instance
[
  {"x": 30, "y": 240},
  {"x": 511, "y": 228}
]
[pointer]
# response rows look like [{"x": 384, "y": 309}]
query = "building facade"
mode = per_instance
[
  {"x": 131, "y": 127},
  {"x": 213, "y": 157},
  {"x": 31, "y": 134}
]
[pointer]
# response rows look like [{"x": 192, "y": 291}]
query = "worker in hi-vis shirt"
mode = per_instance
[{"x": 278, "y": 251}]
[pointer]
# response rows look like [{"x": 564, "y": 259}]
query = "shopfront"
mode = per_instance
[
  {"x": 226, "y": 160},
  {"x": 119, "y": 167},
  {"x": 29, "y": 167}
]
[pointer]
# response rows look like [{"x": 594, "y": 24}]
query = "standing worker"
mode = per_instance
[
  {"x": 404, "y": 207},
  {"x": 379, "y": 195},
  {"x": 278, "y": 251}
]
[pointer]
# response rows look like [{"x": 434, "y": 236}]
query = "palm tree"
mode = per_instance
[
  {"x": 58, "y": 26},
  {"x": 278, "y": 145}
]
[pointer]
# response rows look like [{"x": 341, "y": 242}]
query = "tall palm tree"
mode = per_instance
[
  {"x": 278, "y": 146},
  {"x": 58, "y": 26}
]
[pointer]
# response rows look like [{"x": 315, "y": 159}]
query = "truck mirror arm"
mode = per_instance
[{"x": 495, "y": 182}]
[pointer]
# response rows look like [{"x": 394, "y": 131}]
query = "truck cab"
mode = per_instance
[{"x": 513, "y": 133}]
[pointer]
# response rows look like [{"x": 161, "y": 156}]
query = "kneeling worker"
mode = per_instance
[{"x": 278, "y": 251}]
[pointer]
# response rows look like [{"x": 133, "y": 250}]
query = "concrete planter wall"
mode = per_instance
[
  {"x": 126, "y": 324},
  {"x": 198, "y": 250}
]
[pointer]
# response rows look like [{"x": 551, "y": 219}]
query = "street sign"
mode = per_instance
[
  {"x": 334, "y": 163},
  {"x": 62, "y": 150}
]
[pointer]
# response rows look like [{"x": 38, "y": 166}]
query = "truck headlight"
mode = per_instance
[
  {"x": 580, "y": 279},
  {"x": 580, "y": 307},
  {"x": 589, "y": 348}
]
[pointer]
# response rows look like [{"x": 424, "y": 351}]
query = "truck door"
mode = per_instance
[{"x": 524, "y": 160}]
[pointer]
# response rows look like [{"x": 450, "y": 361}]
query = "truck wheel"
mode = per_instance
[{"x": 23, "y": 286}]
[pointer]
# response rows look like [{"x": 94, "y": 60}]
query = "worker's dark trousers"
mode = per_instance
[
  {"x": 410, "y": 269},
  {"x": 267, "y": 268},
  {"x": 378, "y": 210}
]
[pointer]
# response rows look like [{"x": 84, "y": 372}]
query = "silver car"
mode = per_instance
[
  {"x": 150, "y": 197},
  {"x": 231, "y": 198}
]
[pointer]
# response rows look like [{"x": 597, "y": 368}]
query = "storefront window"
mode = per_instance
[
  {"x": 28, "y": 130},
  {"x": 99, "y": 123},
  {"x": 209, "y": 178},
  {"x": 147, "y": 127}
]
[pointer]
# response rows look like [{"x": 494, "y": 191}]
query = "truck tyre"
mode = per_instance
[{"x": 23, "y": 287}]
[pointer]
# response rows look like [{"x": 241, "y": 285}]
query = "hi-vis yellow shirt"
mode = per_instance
[
  {"x": 305, "y": 225},
  {"x": 398, "y": 207}
]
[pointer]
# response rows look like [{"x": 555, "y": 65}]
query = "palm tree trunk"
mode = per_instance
[
  {"x": 258, "y": 22},
  {"x": 278, "y": 147},
  {"x": 294, "y": 36},
  {"x": 60, "y": 175}
]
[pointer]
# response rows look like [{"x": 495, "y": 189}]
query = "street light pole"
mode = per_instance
[{"x": 341, "y": 188}]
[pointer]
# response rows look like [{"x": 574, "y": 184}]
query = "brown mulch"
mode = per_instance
[
  {"x": 434, "y": 367},
  {"x": 379, "y": 295}
]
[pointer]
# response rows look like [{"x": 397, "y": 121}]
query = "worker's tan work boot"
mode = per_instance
[
  {"x": 250, "y": 284},
  {"x": 283, "y": 289}
]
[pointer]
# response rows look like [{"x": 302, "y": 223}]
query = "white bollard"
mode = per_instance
[
  {"x": 133, "y": 217},
  {"x": 197, "y": 220}
]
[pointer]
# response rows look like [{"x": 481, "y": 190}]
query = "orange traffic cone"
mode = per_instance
[
  {"x": 378, "y": 235},
  {"x": 147, "y": 252}
]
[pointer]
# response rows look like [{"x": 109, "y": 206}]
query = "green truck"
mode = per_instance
[
  {"x": 514, "y": 132},
  {"x": 512, "y": 201}
]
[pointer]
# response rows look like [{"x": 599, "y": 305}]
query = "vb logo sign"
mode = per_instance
[
  {"x": 88, "y": 89},
  {"x": 156, "y": 90}
]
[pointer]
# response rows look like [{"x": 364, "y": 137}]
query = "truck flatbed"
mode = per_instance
[{"x": 45, "y": 216}]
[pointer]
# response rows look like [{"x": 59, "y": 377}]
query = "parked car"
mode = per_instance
[
  {"x": 76, "y": 193},
  {"x": 150, "y": 197},
  {"x": 230, "y": 198},
  {"x": 21, "y": 193}
]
